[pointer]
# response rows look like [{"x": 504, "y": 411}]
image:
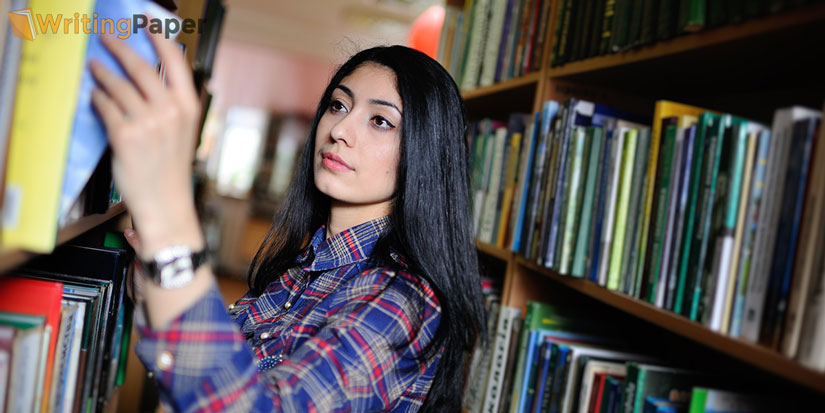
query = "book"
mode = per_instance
[
  {"x": 704, "y": 399},
  {"x": 632, "y": 237},
  {"x": 718, "y": 283},
  {"x": 811, "y": 247},
  {"x": 744, "y": 200},
  {"x": 623, "y": 197},
  {"x": 602, "y": 189},
  {"x": 88, "y": 135},
  {"x": 48, "y": 85},
  {"x": 589, "y": 383},
  {"x": 611, "y": 198},
  {"x": 703, "y": 147},
  {"x": 39, "y": 298},
  {"x": 662, "y": 405},
  {"x": 25, "y": 363},
  {"x": 590, "y": 187},
  {"x": 645, "y": 380},
  {"x": 476, "y": 37},
  {"x": 520, "y": 209},
  {"x": 499, "y": 10},
  {"x": 532, "y": 215},
  {"x": 516, "y": 131},
  {"x": 495, "y": 380},
  {"x": 750, "y": 225},
  {"x": 577, "y": 171},
  {"x": 781, "y": 134},
  {"x": 662, "y": 195},
  {"x": 790, "y": 220}
]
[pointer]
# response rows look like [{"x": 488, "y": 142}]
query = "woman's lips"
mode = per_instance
[{"x": 334, "y": 162}]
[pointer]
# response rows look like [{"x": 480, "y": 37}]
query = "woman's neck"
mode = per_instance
[{"x": 344, "y": 215}]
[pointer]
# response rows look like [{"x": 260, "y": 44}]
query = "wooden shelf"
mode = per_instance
[
  {"x": 494, "y": 251},
  {"x": 498, "y": 88},
  {"x": 755, "y": 355},
  {"x": 12, "y": 258},
  {"x": 703, "y": 40}
]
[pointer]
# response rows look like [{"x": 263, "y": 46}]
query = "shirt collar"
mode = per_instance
[{"x": 351, "y": 245}]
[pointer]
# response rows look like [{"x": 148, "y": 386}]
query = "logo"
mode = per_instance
[
  {"x": 25, "y": 25},
  {"x": 22, "y": 24}
]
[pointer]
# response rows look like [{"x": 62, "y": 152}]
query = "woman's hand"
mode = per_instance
[
  {"x": 136, "y": 280},
  {"x": 152, "y": 128}
]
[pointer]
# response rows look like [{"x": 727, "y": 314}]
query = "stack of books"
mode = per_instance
[
  {"x": 557, "y": 362},
  {"x": 65, "y": 325},
  {"x": 708, "y": 215},
  {"x": 491, "y": 41}
]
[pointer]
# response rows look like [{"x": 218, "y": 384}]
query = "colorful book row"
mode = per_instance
[{"x": 701, "y": 214}]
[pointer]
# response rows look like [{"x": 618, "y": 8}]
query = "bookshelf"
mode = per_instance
[
  {"x": 10, "y": 259},
  {"x": 749, "y": 68}
]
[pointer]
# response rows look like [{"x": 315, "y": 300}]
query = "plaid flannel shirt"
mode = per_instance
[{"x": 334, "y": 333}]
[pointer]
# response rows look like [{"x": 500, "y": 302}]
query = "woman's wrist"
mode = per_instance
[{"x": 175, "y": 225}]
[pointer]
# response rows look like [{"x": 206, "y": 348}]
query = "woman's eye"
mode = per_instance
[
  {"x": 382, "y": 122},
  {"x": 336, "y": 106}
]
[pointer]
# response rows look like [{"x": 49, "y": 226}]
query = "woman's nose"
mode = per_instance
[{"x": 343, "y": 130}]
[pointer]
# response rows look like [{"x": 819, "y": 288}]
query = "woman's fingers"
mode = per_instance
[
  {"x": 141, "y": 73},
  {"x": 178, "y": 75},
  {"x": 109, "y": 111},
  {"x": 132, "y": 238},
  {"x": 120, "y": 90}
]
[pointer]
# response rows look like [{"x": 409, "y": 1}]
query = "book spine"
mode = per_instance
[
  {"x": 526, "y": 165},
  {"x": 607, "y": 26},
  {"x": 587, "y": 221},
  {"x": 628, "y": 153},
  {"x": 602, "y": 189},
  {"x": 662, "y": 191},
  {"x": 499, "y": 357},
  {"x": 683, "y": 190},
  {"x": 505, "y": 40},
  {"x": 614, "y": 176},
  {"x": 744, "y": 201},
  {"x": 753, "y": 214},
  {"x": 570, "y": 229},
  {"x": 498, "y": 10},
  {"x": 728, "y": 232},
  {"x": 475, "y": 44}
]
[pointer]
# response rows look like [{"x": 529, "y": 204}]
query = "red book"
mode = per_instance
[
  {"x": 35, "y": 297},
  {"x": 598, "y": 388}
]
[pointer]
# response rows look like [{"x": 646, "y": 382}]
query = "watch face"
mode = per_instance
[{"x": 177, "y": 270}]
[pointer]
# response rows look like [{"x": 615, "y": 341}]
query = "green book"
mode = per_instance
[
  {"x": 660, "y": 213},
  {"x": 630, "y": 253},
  {"x": 620, "y": 219},
  {"x": 692, "y": 15},
  {"x": 701, "y": 147},
  {"x": 709, "y": 214},
  {"x": 584, "y": 12},
  {"x": 634, "y": 30},
  {"x": 583, "y": 238},
  {"x": 564, "y": 37},
  {"x": 618, "y": 36},
  {"x": 650, "y": 11},
  {"x": 555, "y": 53},
  {"x": 577, "y": 173},
  {"x": 607, "y": 26}
]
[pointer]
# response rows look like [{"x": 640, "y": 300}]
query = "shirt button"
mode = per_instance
[
  {"x": 165, "y": 361},
  {"x": 231, "y": 307},
  {"x": 150, "y": 374},
  {"x": 265, "y": 335},
  {"x": 287, "y": 305}
]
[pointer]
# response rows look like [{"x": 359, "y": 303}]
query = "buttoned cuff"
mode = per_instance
[{"x": 201, "y": 342}]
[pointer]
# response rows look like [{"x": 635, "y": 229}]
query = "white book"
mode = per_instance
[
  {"x": 24, "y": 369},
  {"x": 781, "y": 132},
  {"x": 492, "y": 397},
  {"x": 610, "y": 202},
  {"x": 70, "y": 378},
  {"x": 475, "y": 44},
  {"x": 488, "y": 216},
  {"x": 498, "y": 11}
]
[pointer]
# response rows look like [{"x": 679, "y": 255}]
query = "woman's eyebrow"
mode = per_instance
[{"x": 349, "y": 93}]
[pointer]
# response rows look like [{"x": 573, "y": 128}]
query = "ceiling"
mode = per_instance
[{"x": 327, "y": 30}]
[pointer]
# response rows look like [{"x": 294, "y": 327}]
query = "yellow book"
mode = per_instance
[
  {"x": 509, "y": 189},
  {"x": 50, "y": 73},
  {"x": 664, "y": 109},
  {"x": 744, "y": 198}
]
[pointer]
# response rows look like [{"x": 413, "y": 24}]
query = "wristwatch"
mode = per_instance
[{"x": 173, "y": 267}]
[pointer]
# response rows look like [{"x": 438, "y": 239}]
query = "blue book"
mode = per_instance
[
  {"x": 598, "y": 217},
  {"x": 528, "y": 183},
  {"x": 89, "y": 139},
  {"x": 661, "y": 405},
  {"x": 790, "y": 218},
  {"x": 547, "y": 353},
  {"x": 551, "y": 109}
]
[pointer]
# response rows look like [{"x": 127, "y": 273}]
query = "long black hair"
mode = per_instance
[{"x": 430, "y": 222}]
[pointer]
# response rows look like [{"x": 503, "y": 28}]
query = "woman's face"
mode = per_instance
[{"x": 358, "y": 138}]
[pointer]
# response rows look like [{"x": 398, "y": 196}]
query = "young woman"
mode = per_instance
[{"x": 365, "y": 293}]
